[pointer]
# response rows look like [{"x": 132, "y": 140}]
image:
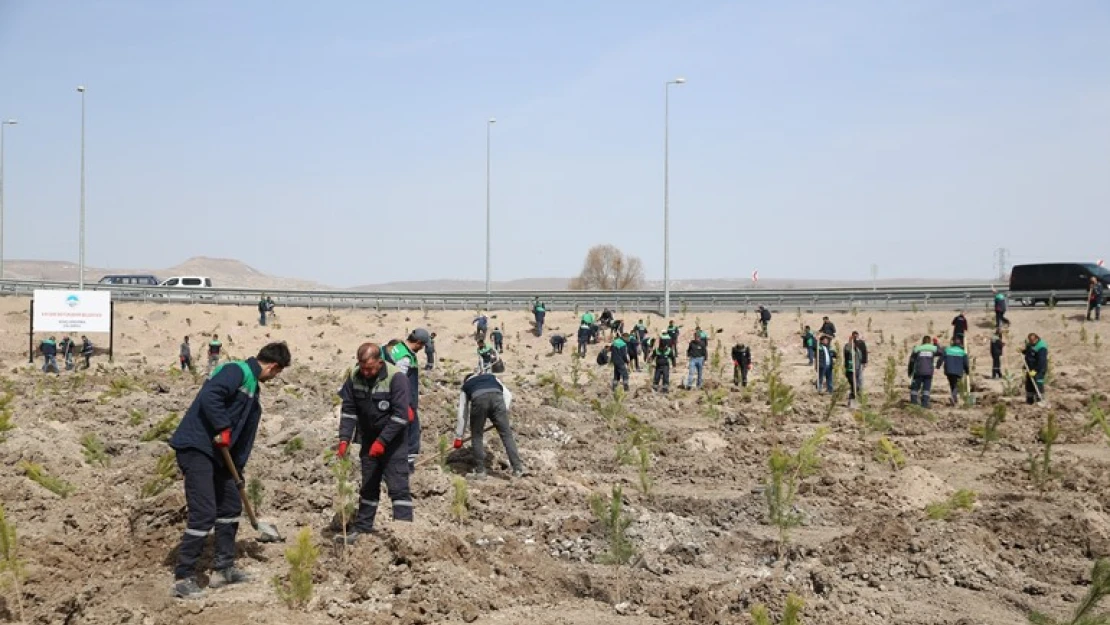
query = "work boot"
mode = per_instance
[
  {"x": 351, "y": 538},
  {"x": 187, "y": 589},
  {"x": 477, "y": 475},
  {"x": 519, "y": 473},
  {"x": 228, "y": 576}
]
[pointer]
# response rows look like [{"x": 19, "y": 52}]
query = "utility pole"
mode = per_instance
[{"x": 1002, "y": 262}]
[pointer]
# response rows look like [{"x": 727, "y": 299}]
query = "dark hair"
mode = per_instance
[{"x": 275, "y": 353}]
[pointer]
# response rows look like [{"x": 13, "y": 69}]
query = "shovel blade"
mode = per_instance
[{"x": 267, "y": 533}]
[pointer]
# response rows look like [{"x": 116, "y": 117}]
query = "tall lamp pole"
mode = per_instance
[
  {"x": 489, "y": 125},
  {"x": 81, "y": 252},
  {"x": 6, "y": 122},
  {"x": 667, "y": 194}
]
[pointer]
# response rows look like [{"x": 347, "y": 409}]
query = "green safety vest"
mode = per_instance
[
  {"x": 362, "y": 385},
  {"x": 250, "y": 383},
  {"x": 588, "y": 318},
  {"x": 539, "y": 307},
  {"x": 399, "y": 351},
  {"x": 619, "y": 343}
]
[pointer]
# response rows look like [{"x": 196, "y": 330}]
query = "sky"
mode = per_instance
[{"x": 345, "y": 142}]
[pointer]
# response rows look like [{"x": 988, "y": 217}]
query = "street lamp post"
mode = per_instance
[
  {"x": 489, "y": 125},
  {"x": 81, "y": 252},
  {"x": 666, "y": 195},
  {"x": 6, "y": 122}
]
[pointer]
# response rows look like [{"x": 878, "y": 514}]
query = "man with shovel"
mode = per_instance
[
  {"x": 1036, "y": 366},
  {"x": 220, "y": 425}
]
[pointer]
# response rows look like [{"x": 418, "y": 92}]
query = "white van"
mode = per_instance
[{"x": 188, "y": 282}]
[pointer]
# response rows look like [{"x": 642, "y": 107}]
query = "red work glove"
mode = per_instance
[
  {"x": 735, "y": 363},
  {"x": 457, "y": 444},
  {"x": 412, "y": 414},
  {"x": 223, "y": 439},
  {"x": 377, "y": 450},
  {"x": 341, "y": 452}
]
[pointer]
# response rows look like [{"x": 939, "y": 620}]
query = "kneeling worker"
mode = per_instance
[
  {"x": 484, "y": 397},
  {"x": 376, "y": 400},
  {"x": 224, "y": 415}
]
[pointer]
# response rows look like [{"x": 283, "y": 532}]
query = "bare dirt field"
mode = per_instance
[{"x": 531, "y": 550}]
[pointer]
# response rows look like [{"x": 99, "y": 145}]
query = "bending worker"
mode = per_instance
[{"x": 483, "y": 397}]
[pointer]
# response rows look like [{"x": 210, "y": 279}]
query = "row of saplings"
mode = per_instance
[{"x": 786, "y": 471}]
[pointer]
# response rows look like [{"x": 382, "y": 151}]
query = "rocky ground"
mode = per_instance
[{"x": 531, "y": 550}]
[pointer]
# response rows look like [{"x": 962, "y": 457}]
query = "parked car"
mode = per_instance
[
  {"x": 188, "y": 282},
  {"x": 1057, "y": 277},
  {"x": 130, "y": 280}
]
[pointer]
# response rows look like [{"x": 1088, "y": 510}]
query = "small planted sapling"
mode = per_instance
[
  {"x": 297, "y": 590},
  {"x": 165, "y": 471},
  {"x": 460, "y": 500},
  {"x": 12, "y": 571},
  {"x": 610, "y": 512},
  {"x": 1085, "y": 614},
  {"x": 791, "y": 612},
  {"x": 942, "y": 510},
  {"x": 887, "y": 452},
  {"x": 1040, "y": 468},
  {"x": 988, "y": 431},
  {"x": 786, "y": 471}
]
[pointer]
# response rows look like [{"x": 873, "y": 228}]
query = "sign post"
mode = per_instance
[{"x": 71, "y": 312}]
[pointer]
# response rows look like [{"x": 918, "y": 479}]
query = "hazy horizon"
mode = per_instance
[{"x": 344, "y": 143}]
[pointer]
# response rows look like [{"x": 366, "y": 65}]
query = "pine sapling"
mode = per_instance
[
  {"x": 871, "y": 421},
  {"x": 643, "y": 469},
  {"x": 1098, "y": 417},
  {"x": 786, "y": 472},
  {"x": 135, "y": 416},
  {"x": 297, "y": 590},
  {"x": 1040, "y": 469},
  {"x": 6, "y": 424},
  {"x": 1098, "y": 341},
  {"x": 293, "y": 446},
  {"x": 575, "y": 371},
  {"x": 38, "y": 475},
  {"x": 460, "y": 500},
  {"x": 888, "y": 452},
  {"x": 988, "y": 432},
  {"x": 1083, "y": 334},
  {"x": 610, "y": 512},
  {"x": 12, "y": 571},
  {"x": 791, "y": 612},
  {"x": 255, "y": 494},
  {"x": 162, "y": 430},
  {"x": 1085, "y": 612},
  {"x": 712, "y": 402},
  {"x": 93, "y": 450},
  {"x": 891, "y": 393},
  {"x": 443, "y": 448},
  {"x": 165, "y": 471},
  {"x": 346, "y": 492},
  {"x": 960, "y": 500}
]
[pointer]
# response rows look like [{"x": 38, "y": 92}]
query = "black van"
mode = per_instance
[{"x": 1057, "y": 277}]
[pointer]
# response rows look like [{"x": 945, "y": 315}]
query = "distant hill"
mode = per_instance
[
  {"x": 224, "y": 272},
  {"x": 230, "y": 273}
]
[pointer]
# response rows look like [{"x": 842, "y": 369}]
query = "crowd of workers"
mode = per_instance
[{"x": 380, "y": 405}]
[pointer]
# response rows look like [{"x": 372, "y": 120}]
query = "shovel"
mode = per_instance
[{"x": 267, "y": 533}]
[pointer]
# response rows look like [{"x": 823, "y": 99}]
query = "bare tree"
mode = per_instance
[{"x": 608, "y": 269}]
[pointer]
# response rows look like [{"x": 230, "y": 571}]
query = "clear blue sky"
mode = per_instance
[{"x": 345, "y": 141}]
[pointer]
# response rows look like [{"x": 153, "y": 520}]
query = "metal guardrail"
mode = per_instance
[{"x": 824, "y": 299}]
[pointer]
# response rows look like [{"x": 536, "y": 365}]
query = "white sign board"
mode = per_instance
[{"x": 72, "y": 311}]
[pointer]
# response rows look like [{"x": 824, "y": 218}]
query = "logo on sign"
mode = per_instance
[
  {"x": 72, "y": 301},
  {"x": 383, "y": 405}
]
